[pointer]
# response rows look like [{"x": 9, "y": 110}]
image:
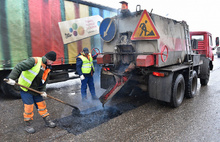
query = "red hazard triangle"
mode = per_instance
[{"x": 145, "y": 28}]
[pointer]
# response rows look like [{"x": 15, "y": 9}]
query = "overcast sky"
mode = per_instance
[{"x": 201, "y": 15}]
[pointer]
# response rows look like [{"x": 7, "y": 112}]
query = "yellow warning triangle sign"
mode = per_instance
[{"x": 145, "y": 28}]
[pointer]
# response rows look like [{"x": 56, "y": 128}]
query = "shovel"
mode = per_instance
[{"x": 75, "y": 111}]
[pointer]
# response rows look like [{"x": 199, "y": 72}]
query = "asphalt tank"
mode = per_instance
[{"x": 140, "y": 33}]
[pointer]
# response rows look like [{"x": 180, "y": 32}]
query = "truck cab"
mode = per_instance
[{"x": 204, "y": 45}]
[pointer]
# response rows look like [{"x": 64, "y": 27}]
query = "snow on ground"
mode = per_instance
[{"x": 64, "y": 83}]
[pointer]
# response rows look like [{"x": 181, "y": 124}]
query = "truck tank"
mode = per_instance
[{"x": 171, "y": 42}]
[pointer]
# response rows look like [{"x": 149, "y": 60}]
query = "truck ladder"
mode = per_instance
[{"x": 189, "y": 53}]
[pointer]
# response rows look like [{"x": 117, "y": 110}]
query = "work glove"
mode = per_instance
[
  {"x": 44, "y": 94},
  {"x": 11, "y": 81},
  {"x": 82, "y": 77}
]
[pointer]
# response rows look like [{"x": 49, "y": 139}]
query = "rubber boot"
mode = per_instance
[
  {"x": 95, "y": 97},
  {"x": 28, "y": 128},
  {"x": 48, "y": 122},
  {"x": 84, "y": 99}
]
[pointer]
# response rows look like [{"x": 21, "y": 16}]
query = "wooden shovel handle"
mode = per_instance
[{"x": 42, "y": 93}]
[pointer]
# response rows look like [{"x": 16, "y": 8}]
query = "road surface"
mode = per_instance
[{"x": 132, "y": 118}]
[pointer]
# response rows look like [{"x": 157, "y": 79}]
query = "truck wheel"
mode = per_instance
[
  {"x": 191, "y": 86},
  {"x": 206, "y": 80},
  {"x": 205, "y": 73},
  {"x": 9, "y": 90},
  {"x": 178, "y": 90}
]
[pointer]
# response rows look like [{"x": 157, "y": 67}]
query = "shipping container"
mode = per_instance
[{"x": 29, "y": 28}]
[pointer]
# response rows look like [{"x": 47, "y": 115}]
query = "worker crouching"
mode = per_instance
[{"x": 33, "y": 73}]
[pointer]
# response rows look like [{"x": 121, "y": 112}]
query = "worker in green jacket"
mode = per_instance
[{"x": 33, "y": 73}]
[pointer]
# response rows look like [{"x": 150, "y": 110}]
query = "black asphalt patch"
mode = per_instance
[{"x": 95, "y": 116}]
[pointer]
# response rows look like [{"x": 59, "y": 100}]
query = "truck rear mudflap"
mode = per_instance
[{"x": 112, "y": 90}]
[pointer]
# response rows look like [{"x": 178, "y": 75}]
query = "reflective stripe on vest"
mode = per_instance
[
  {"x": 87, "y": 64},
  {"x": 28, "y": 76}
]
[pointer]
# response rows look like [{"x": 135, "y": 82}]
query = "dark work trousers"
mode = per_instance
[
  {"x": 88, "y": 80},
  {"x": 30, "y": 99}
]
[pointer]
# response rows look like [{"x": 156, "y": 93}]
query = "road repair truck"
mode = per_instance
[
  {"x": 30, "y": 28},
  {"x": 157, "y": 53}
]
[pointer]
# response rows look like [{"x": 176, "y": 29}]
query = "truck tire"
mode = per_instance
[
  {"x": 9, "y": 90},
  {"x": 205, "y": 81},
  {"x": 205, "y": 72},
  {"x": 178, "y": 91},
  {"x": 191, "y": 86}
]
